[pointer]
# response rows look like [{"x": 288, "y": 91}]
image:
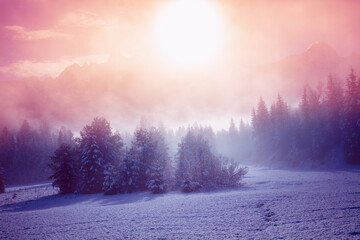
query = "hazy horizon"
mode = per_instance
[{"x": 131, "y": 66}]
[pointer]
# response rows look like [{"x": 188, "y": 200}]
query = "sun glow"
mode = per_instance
[{"x": 189, "y": 32}]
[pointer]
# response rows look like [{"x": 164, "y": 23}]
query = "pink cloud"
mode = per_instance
[
  {"x": 53, "y": 68},
  {"x": 25, "y": 34},
  {"x": 83, "y": 19}
]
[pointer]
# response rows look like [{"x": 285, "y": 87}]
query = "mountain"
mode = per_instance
[
  {"x": 309, "y": 68},
  {"x": 124, "y": 90}
]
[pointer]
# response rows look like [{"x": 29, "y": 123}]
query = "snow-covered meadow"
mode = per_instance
[{"x": 271, "y": 204}]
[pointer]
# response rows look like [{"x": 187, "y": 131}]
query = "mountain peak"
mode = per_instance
[{"x": 321, "y": 49}]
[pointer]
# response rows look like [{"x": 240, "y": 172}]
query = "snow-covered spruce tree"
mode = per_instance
[
  {"x": 185, "y": 159},
  {"x": 198, "y": 168},
  {"x": 145, "y": 165},
  {"x": 65, "y": 168},
  {"x": 141, "y": 155},
  {"x": 157, "y": 182},
  {"x": 159, "y": 168},
  {"x": 99, "y": 153},
  {"x": 130, "y": 173},
  {"x": 206, "y": 166},
  {"x": 111, "y": 183},
  {"x": 115, "y": 157}
]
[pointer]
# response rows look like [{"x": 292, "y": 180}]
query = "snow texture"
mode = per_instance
[{"x": 273, "y": 204}]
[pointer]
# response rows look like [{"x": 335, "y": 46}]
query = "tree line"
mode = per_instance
[
  {"x": 24, "y": 154},
  {"x": 99, "y": 162},
  {"x": 28, "y": 155},
  {"x": 323, "y": 130}
]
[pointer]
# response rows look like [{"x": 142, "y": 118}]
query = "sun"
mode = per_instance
[{"x": 188, "y": 32}]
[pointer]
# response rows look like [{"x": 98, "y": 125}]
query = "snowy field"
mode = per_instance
[{"x": 272, "y": 204}]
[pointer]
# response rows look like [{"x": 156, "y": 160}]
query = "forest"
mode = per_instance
[
  {"x": 99, "y": 161},
  {"x": 323, "y": 131}
]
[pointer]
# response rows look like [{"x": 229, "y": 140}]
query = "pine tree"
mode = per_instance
[
  {"x": 262, "y": 117},
  {"x": 261, "y": 132},
  {"x": 280, "y": 130},
  {"x": 159, "y": 168},
  {"x": 304, "y": 107},
  {"x": 99, "y": 153},
  {"x": 351, "y": 120},
  {"x": 333, "y": 106},
  {"x": 7, "y": 148},
  {"x": 65, "y": 136},
  {"x": 64, "y": 166},
  {"x": 28, "y": 156},
  {"x": 141, "y": 156},
  {"x": 111, "y": 184},
  {"x": 115, "y": 156},
  {"x": 130, "y": 173},
  {"x": 199, "y": 168},
  {"x": 305, "y": 136},
  {"x": 185, "y": 158},
  {"x": 2, "y": 186},
  {"x": 92, "y": 165},
  {"x": 146, "y": 163},
  {"x": 233, "y": 132},
  {"x": 157, "y": 182}
]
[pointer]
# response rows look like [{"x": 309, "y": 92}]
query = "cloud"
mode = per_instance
[
  {"x": 85, "y": 19},
  {"x": 27, "y": 68},
  {"x": 29, "y": 35}
]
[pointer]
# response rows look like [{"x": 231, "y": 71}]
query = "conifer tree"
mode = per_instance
[
  {"x": 111, "y": 180},
  {"x": 351, "y": 120},
  {"x": 99, "y": 151},
  {"x": 2, "y": 186},
  {"x": 7, "y": 148},
  {"x": 130, "y": 173},
  {"x": 261, "y": 132},
  {"x": 159, "y": 168},
  {"x": 65, "y": 168},
  {"x": 157, "y": 182}
]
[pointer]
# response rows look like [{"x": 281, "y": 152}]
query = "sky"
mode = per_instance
[{"x": 41, "y": 38}]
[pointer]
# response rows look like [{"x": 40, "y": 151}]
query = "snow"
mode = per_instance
[{"x": 272, "y": 204}]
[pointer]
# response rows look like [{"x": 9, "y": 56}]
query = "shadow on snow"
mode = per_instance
[{"x": 55, "y": 201}]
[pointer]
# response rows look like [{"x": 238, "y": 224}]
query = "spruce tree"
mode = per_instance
[
  {"x": 100, "y": 151},
  {"x": 130, "y": 173},
  {"x": 351, "y": 120},
  {"x": 159, "y": 168},
  {"x": 28, "y": 155},
  {"x": 141, "y": 156},
  {"x": 2, "y": 186},
  {"x": 157, "y": 182},
  {"x": 7, "y": 148},
  {"x": 197, "y": 167},
  {"x": 111, "y": 182},
  {"x": 112, "y": 170},
  {"x": 64, "y": 166},
  {"x": 185, "y": 159},
  {"x": 261, "y": 126}
]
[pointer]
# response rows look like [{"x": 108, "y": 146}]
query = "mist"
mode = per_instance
[{"x": 92, "y": 59}]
